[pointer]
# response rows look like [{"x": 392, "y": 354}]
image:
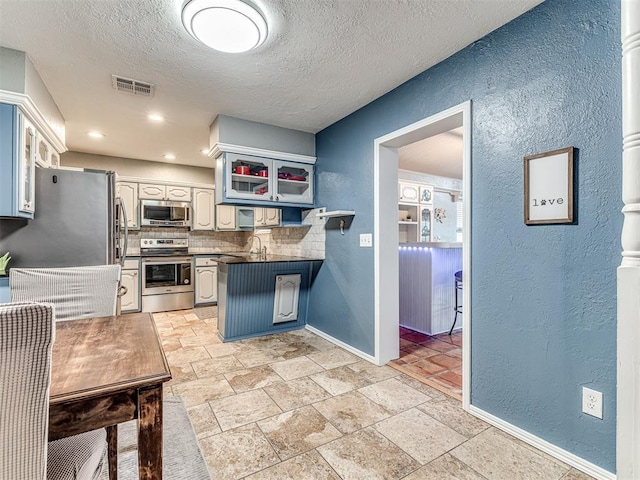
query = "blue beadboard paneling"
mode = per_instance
[
  {"x": 543, "y": 297},
  {"x": 248, "y": 301}
]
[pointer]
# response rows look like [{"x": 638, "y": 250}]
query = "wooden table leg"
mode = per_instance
[
  {"x": 150, "y": 433},
  {"x": 112, "y": 449}
]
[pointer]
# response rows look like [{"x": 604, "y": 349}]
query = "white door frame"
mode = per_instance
[
  {"x": 385, "y": 235},
  {"x": 628, "y": 373}
]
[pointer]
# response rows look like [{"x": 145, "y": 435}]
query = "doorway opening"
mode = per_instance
[{"x": 387, "y": 233}]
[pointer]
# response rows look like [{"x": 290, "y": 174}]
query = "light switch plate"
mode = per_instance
[{"x": 366, "y": 240}]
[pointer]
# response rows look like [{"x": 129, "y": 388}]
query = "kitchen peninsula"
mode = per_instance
[
  {"x": 427, "y": 295},
  {"x": 258, "y": 296}
]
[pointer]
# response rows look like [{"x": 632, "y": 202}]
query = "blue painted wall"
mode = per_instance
[{"x": 544, "y": 309}]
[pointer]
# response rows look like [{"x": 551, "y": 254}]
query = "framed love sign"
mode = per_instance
[{"x": 548, "y": 187}]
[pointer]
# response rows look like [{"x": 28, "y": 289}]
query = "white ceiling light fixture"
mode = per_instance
[
  {"x": 95, "y": 134},
  {"x": 230, "y": 26},
  {"x": 170, "y": 156},
  {"x": 155, "y": 117}
]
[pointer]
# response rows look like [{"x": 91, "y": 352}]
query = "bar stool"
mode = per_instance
[{"x": 458, "y": 308}]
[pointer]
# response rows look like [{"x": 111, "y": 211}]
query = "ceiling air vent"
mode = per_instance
[{"x": 132, "y": 87}]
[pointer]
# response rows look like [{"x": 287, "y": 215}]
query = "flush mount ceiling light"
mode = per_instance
[
  {"x": 155, "y": 117},
  {"x": 169, "y": 156},
  {"x": 95, "y": 134},
  {"x": 229, "y": 26}
]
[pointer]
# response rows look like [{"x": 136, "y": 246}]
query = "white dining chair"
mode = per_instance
[
  {"x": 27, "y": 332},
  {"x": 75, "y": 292}
]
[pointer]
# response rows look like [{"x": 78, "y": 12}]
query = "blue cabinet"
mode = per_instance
[
  {"x": 5, "y": 292},
  {"x": 252, "y": 180},
  {"x": 263, "y": 297},
  {"x": 17, "y": 163}
]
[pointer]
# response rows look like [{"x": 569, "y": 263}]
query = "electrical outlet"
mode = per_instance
[
  {"x": 592, "y": 402},
  {"x": 366, "y": 240}
]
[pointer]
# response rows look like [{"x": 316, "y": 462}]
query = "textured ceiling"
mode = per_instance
[{"x": 323, "y": 59}]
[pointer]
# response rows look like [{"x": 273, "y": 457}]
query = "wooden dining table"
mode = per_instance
[{"x": 106, "y": 371}]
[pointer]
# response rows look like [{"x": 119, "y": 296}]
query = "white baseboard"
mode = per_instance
[
  {"x": 553, "y": 450},
  {"x": 341, "y": 344}
]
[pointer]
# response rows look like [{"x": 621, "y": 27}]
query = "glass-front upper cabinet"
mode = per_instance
[
  {"x": 26, "y": 166},
  {"x": 294, "y": 183},
  {"x": 248, "y": 177},
  {"x": 426, "y": 218},
  {"x": 265, "y": 180}
]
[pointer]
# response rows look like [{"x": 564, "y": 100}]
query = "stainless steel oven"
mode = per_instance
[
  {"x": 167, "y": 281},
  {"x": 160, "y": 213}
]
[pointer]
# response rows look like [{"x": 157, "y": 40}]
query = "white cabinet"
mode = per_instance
[
  {"x": 206, "y": 281},
  {"x": 287, "y": 294},
  {"x": 415, "y": 212},
  {"x": 46, "y": 157},
  {"x": 128, "y": 192},
  {"x": 130, "y": 278},
  {"x": 266, "y": 217},
  {"x": 225, "y": 217},
  {"x": 26, "y": 166},
  {"x": 426, "y": 223},
  {"x": 203, "y": 209},
  {"x": 265, "y": 180},
  {"x": 164, "y": 192},
  {"x": 408, "y": 192},
  {"x": 426, "y": 194}
]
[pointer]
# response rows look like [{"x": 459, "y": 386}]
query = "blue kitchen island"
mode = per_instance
[{"x": 259, "y": 297}]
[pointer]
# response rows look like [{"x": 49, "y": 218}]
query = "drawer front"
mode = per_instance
[
  {"x": 205, "y": 262},
  {"x": 131, "y": 264}
]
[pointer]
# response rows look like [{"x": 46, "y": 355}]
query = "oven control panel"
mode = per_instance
[{"x": 164, "y": 243}]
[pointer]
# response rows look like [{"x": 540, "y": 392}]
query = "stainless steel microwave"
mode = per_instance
[{"x": 160, "y": 213}]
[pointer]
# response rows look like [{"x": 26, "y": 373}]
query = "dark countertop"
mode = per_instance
[{"x": 228, "y": 259}]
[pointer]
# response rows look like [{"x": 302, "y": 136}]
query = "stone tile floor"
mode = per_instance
[
  {"x": 295, "y": 406},
  {"x": 434, "y": 360}
]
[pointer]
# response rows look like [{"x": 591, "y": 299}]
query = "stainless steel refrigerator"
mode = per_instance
[{"x": 75, "y": 222}]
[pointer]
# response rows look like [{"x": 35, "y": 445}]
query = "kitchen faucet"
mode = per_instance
[{"x": 262, "y": 254}]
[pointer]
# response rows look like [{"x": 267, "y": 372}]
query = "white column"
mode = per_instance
[{"x": 628, "y": 406}]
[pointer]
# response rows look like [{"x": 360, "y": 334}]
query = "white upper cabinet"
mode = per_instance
[
  {"x": 203, "y": 209},
  {"x": 225, "y": 217},
  {"x": 128, "y": 192},
  {"x": 26, "y": 166},
  {"x": 266, "y": 217},
  {"x": 46, "y": 156},
  {"x": 265, "y": 180},
  {"x": 408, "y": 192},
  {"x": 152, "y": 191}
]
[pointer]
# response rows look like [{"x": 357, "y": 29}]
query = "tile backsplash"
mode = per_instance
[{"x": 304, "y": 241}]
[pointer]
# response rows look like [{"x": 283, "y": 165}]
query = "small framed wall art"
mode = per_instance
[{"x": 548, "y": 187}]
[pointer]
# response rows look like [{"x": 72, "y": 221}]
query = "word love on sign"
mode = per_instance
[
  {"x": 548, "y": 187},
  {"x": 546, "y": 201}
]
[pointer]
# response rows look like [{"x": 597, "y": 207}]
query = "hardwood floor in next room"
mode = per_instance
[
  {"x": 434, "y": 360},
  {"x": 295, "y": 406}
]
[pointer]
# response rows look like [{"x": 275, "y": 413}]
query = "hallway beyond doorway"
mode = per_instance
[{"x": 433, "y": 360}]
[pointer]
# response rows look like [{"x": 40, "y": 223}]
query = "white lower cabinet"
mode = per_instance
[
  {"x": 287, "y": 294},
  {"x": 130, "y": 278},
  {"x": 206, "y": 281}
]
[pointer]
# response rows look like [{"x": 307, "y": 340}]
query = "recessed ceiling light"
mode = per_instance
[
  {"x": 205, "y": 151},
  {"x": 95, "y": 134},
  {"x": 170, "y": 156},
  {"x": 229, "y": 26},
  {"x": 155, "y": 117}
]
